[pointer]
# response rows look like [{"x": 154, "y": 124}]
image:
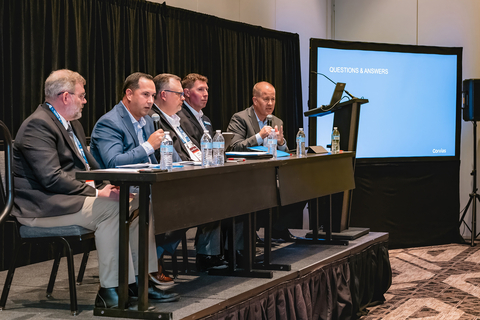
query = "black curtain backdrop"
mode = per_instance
[
  {"x": 106, "y": 40},
  {"x": 417, "y": 203}
]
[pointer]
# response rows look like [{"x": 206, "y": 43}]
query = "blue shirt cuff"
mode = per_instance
[{"x": 148, "y": 148}]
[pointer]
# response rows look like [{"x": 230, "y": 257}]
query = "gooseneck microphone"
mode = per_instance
[
  {"x": 156, "y": 121},
  {"x": 351, "y": 96}
]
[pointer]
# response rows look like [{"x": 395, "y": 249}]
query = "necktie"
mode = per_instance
[{"x": 78, "y": 146}]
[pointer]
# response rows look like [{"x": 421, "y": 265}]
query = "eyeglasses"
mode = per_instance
[
  {"x": 81, "y": 96},
  {"x": 180, "y": 94}
]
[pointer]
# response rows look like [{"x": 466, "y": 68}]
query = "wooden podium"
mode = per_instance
[{"x": 346, "y": 118}]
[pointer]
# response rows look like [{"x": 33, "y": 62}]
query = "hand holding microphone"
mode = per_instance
[{"x": 156, "y": 138}]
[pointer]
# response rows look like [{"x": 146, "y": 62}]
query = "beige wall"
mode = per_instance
[{"x": 423, "y": 22}]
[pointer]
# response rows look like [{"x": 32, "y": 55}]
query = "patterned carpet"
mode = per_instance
[{"x": 440, "y": 282}]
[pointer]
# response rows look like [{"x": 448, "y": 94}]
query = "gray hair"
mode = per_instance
[
  {"x": 60, "y": 81},
  {"x": 162, "y": 81}
]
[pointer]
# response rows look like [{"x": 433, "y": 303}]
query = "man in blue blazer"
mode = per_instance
[{"x": 126, "y": 135}]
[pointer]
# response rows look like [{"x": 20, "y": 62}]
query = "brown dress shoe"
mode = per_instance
[{"x": 159, "y": 278}]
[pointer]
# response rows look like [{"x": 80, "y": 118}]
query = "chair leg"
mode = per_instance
[
  {"x": 71, "y": 278},
  {"x": 185, "y": 252},
  {"x": 53, "y": 274},
  {"x": 8, "y": 280},
  {"x": 174, "y": 264},
  {"x": 83, "y": 266}
]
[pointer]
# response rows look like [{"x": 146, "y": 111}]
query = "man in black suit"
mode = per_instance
[
  {"x": 168, "y": 101},
  {"x": 192, "y": 119},
  {"x": 49, "y": 149}
]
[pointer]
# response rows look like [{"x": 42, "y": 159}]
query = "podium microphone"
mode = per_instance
[
  {"x": 351, "y": 96},
  {"x": 269, "y": 120},
  {"x": 156, "y": 121}
]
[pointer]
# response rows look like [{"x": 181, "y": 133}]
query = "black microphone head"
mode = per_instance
[
  {"x": 156, "y": 121},
  {"x": 269, "y": 120}
]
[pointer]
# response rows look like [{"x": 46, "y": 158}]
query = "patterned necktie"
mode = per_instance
[{"x": 77, "y": 144}]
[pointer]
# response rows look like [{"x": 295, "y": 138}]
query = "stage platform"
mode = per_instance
[{"x": 325, "y": 280}]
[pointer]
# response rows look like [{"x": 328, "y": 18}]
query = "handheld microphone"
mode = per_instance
[
  {"x": 269, "y": 120},
  {"x": 351, "y": 96},
  {"x": 156, "y": 121}
]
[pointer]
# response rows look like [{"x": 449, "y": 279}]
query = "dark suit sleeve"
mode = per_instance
[
  {"x": 40, "y": 152},
  {"x": 240, "y": 141},
  {"x": 107, "y": 143}
]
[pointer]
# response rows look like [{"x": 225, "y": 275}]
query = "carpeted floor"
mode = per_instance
[{"x": 440, "y": 282}]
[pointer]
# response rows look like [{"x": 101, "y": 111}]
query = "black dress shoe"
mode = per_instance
[
  {"x": 154, "y": 293},
  {"x": 239, "y": 257},
  {"x": 206, "y": 262},
  {"x": 107, "y": 298},
  {"x": 283, "y": 235}
]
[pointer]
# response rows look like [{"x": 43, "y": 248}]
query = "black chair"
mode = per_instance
[{"x": 62, "y": 238}]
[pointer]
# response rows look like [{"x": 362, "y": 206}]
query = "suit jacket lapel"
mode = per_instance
[
  {"x": 253, "y": 120},
  {"x": 122, "y": 111},
  {"x": 208, "y": 126},
  {"x": 192, "y": 118},
  {"x": 173, "y": 133},
  {"x": 65, "y": 134}
]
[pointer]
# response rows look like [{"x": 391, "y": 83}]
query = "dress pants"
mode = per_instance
[
  {"x": 208, "y": 239},
  {"x": 101, "y": 215}
]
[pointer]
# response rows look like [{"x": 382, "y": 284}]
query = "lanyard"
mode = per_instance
[
  {"x": 77, "y": 142},
  {"x": 194, "y": 152}
]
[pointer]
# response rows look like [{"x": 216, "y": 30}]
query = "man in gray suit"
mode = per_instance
[
  {"x": 250, "y": 129},
  {"x": 49, "y": 149},
  {"x": 250, "y": 125}
]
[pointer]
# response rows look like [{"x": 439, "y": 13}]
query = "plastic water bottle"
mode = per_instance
[
  {"x": 272, "y": 143},
  {"x": 300, "y": 143},
  {"x": 206, "y": 145},
  {"x": 335, "y": 140},
  {"x": 269, "y": 123},
  {"x": 218, "y": 149},
  {"x": 166, "y": 152}
]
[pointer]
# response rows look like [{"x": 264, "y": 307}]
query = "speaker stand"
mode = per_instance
[{"x": 474, "y": 195}]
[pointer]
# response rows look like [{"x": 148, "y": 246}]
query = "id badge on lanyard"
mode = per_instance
[{"x": 195, "y": 153}]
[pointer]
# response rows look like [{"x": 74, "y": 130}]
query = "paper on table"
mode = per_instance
[{"x": 280, "y": 153}]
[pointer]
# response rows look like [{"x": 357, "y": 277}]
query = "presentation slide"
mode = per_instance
[{"x": 412, "y": 100}]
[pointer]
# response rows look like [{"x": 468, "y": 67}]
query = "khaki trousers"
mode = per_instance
[{"x": 101, "y": 215}]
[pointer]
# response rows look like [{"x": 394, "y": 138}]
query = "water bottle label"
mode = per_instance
[
  {"x": 166, "y": 148},
  {"x": 206, "y": 145},
  {"x": 219, "y": 145},
  {"x": 300, "y": 139}
]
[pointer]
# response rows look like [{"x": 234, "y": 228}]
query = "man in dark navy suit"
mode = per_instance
[{"x": 192, "y": 118}]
